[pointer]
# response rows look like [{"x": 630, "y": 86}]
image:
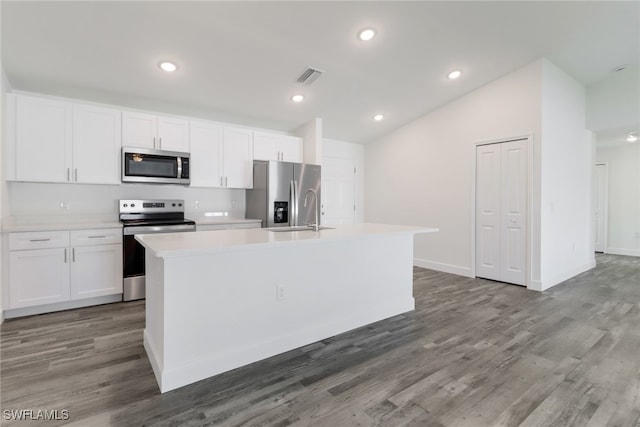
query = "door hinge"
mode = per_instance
[
  {"x": 354, "y": 171},
  {"x": 354, "y": 208}
]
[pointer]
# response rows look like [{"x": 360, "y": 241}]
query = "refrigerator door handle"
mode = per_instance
[{"x": 292, "y": 202}]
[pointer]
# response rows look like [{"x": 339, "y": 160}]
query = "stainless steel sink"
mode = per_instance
[{"x": 298, "y": 228}]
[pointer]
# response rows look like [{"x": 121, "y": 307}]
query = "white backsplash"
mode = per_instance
[{"x": 30, "y": 199}]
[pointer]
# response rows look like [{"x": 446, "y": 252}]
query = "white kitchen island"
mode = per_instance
[{"x": 218, "y": 300}]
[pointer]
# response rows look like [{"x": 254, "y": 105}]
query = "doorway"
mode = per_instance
[{"x": 501, "y": 211}]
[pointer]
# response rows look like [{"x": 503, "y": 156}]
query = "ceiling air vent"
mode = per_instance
[{"x": 309, "y": 76}]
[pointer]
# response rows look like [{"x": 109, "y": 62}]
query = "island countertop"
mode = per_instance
[{"x": 187, "y": 244}]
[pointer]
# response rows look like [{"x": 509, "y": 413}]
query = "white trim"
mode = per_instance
[
  {"x": 623, "y": 251},
  {"x": 530, "y": 177},
  {"x": 67, "y": 305},
  {"x": 445, "y": 268},
  {"x": 559, "y": 278},
  {"x": 605, "y": 236}
]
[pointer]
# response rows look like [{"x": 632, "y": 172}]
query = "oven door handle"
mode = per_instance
[{"x": 152, "y": 229}]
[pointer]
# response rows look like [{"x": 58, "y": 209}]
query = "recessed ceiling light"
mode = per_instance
[
  {"x": 167, "y": 66},
  {"x": 632, "y": 138},
  {"x": 378, "y": 117},
  {"x": 297, "y": 98},
  {"x": 454, "y": 74},
  {"x": 367, "y": 34}
]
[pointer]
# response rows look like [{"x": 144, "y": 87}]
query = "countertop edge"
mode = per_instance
[{"x": 185, "y": 252}]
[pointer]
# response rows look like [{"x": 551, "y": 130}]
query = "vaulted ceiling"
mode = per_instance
[{"x": 238, "y": 61}]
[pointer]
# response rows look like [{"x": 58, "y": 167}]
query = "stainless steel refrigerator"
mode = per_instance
[{"x": 278, "y": 194}]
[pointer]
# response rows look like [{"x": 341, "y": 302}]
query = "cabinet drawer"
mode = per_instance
[
  {"x": 247, "y": 225},
  {"x": 98, "y": 236},
  {"x": 38, "y": 240}
]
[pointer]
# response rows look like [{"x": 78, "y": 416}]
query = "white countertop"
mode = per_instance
[
  {"x": 186, "y": 244},
  {"x": 62, "y": 222}
]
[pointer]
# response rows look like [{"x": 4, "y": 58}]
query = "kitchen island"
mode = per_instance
[{"x": 218, "y": 300}]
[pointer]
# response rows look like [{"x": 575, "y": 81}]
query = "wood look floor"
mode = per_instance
[{"x": 473, "y": 353}]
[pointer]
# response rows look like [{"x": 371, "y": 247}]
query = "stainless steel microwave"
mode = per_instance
[{"x": 154, "y": 166}]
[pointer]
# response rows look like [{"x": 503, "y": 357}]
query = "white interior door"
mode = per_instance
[
  {"x": 600, "y": 199},
  {"x": 488, "y": 211},
  {"x": 338, "y": 191},
  {"x": 501, "y": 207}
]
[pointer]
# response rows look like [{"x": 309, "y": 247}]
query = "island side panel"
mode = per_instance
[
  {"x": 228, "y": 309},
  {"x": 154, "y": 313}
]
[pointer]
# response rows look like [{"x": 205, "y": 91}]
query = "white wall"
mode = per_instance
[
  {"x": 422, "y": 173},
  {"x": 623, "y": 166},
  {"x": 614, "y": 103},
  {"x": 332, "y": 148},
  {"x": 566, "y": 177}
]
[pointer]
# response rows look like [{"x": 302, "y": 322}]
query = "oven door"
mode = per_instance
[
  {"x": 154, "y": 166},
  {"x": 133, "y": 257}
]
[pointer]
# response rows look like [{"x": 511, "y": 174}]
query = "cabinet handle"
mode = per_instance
[
  {"x": 76, "y": 174},
  {"x": 221, "y": 182},
  {"x": 39, "y": 240},
  {"x": 96, "y": 237},
  {"x": 225, "y": 181},
  {"x": 65, "y": 255},
  {"x": 68, "y": 174},
  {"x": 73, "y": 254},
  {"x": 160, "y": 143},
  {"x": 154, "y": 142}
]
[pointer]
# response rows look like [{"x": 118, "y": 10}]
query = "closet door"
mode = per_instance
[
  {"x": 488, "y": 200},
  {"x": 501, "y": 206},
  {"x": 513, "y": 212}
]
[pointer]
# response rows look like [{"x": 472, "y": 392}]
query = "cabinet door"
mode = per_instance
[
  {"x": 173, "y": 134},
  {"x": 139, "y": 130},
  {"x": 96, "y": 271},
  {"x": 43, "y": 139},
  {"x": 206, "y": 155},
  {"x": 291, "y": 148},
  {"x": 238, "y": 158},
  {"x": 265, "y": 146},
  {"x": 97, "y": 138},
  {"x": 38, "y": 277}
]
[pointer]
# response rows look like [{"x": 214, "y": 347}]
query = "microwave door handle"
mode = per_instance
[{"x": 179, "y": 160}]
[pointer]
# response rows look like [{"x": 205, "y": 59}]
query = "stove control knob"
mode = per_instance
[
  {"x": 133, "y": 205},
  {"x": 173, "y": 204},
  {"x": 125, "y": 205},
  {"x": 179, "y": 204}
]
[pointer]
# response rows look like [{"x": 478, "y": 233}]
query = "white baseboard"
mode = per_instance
[
  {"x": 559, "y": 278},
  {"x": 445, "y": 268},
  {"x": 622, "y": 251},
  {"x": 67, "y": 305}
]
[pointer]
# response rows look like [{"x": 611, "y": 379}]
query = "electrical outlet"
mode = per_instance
[{"x": 279, "y": 293}]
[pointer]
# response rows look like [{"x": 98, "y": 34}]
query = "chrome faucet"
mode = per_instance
[{"x": 316, "y": 226}]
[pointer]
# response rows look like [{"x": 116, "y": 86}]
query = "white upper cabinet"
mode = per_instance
[
  {"x": 221, "y": 157},
  {"x": 43, "y": 137},
  {"x": 273, "y": 146},
  {"x": 96, "y": 145},
  {"x": 238, "y": 158},
  {"x": 206, "y": 155},
  {"x": 155, "y": 132}
]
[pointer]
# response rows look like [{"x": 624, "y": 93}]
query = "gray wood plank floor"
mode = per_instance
[{"x": 473, "y": 353}]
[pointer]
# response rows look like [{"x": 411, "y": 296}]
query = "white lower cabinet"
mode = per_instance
[
  {"x": 58, "y": 266},
  {"x": 39, "y": 276}
]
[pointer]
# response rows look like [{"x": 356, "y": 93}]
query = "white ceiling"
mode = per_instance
[{"x": 239, "y": 60}]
